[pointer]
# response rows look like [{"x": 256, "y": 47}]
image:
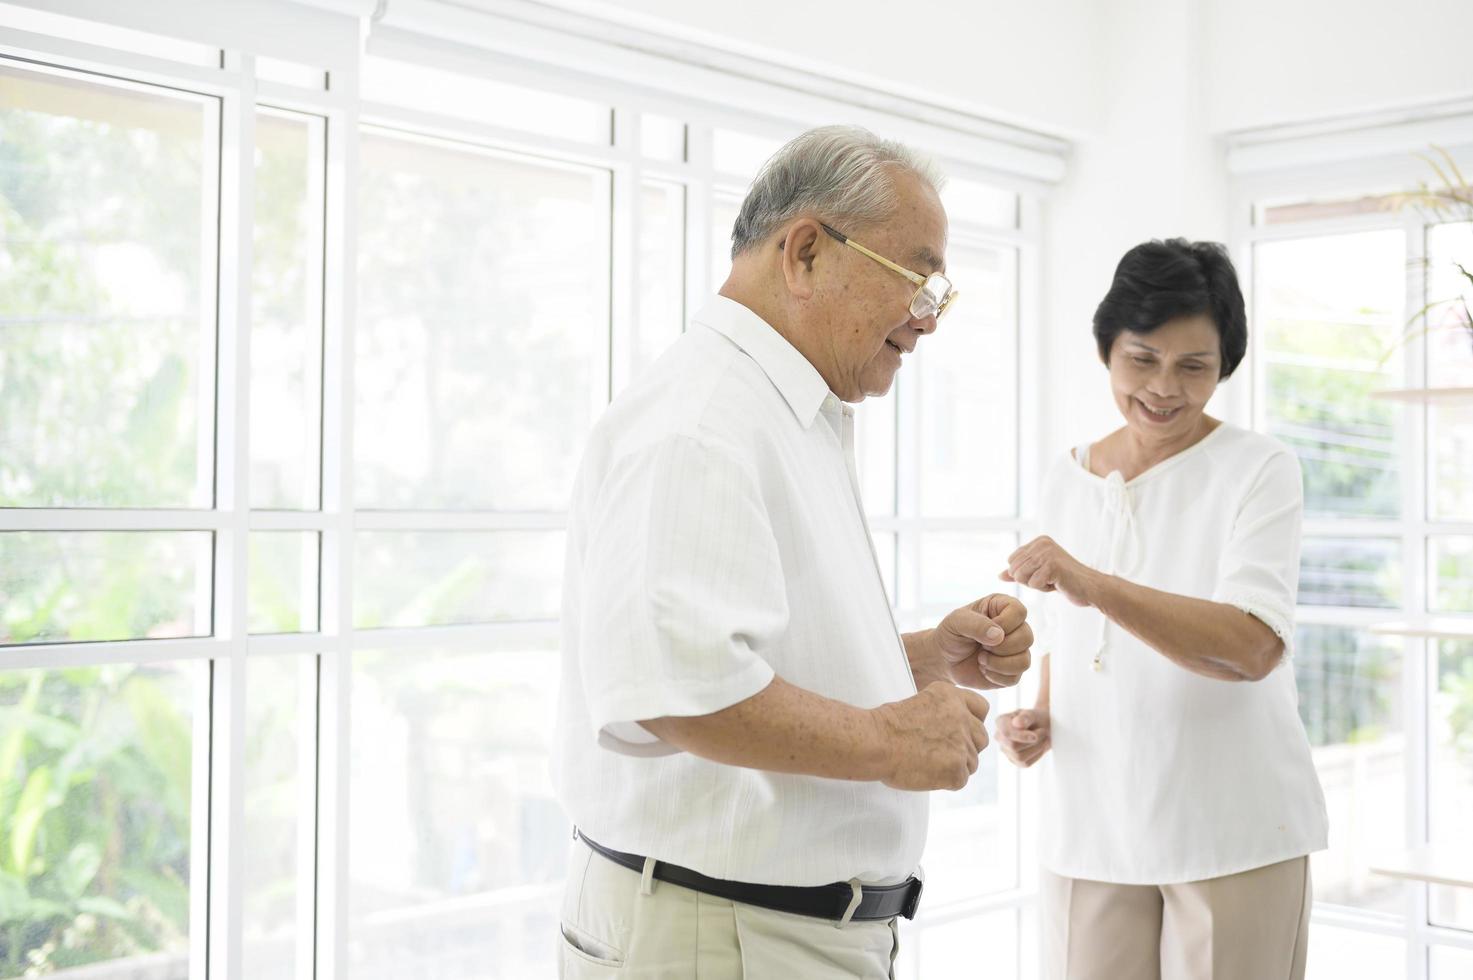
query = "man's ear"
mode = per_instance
[{"x": 799, "y": 252}]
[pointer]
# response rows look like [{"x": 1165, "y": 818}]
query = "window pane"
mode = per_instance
[
  {"x": 412, "y": 86},
  {"x": 983, "y": 944},
  {"x": 874, "y": 453},
  {"x": 973, "y": 203},
  {"x": 661, "y": 137},
  {"x": 1449, "y": 963},
  {"x": 1288, "y": 212},
  {"x": 483, "y": 326},
  {"x": 61, "y": 586},
  {"x": 1327, "y": 311},
  {"x": 1452, "y": 573},
  {"x": 1450, "y": 483},
  {"x": 457, "y": 842},
  {"x": 1450, "y": 335},
  {"x": 281, "y": 695},
  {"x": 1350, "y": 572},
  {"x": 724, "y": 210},
  {"x": 290, "y": 73},
  {"x": 1336, "y": 953},
  {"x": 742, "y": 154},
  {"x": 1350, "y": 701},
  {"x": 283, "y": 581},
  {"x": 1450, "y": 785},
  {"x": 972, "y": 844},
  {"x": 661, "y": 269},
  {"x": 286, "y": 313},
  {"x": 97, "y": 787},
  {"x": 433, "y": 578},
  {"x": 108, "y": 228},
  {"x": 969, "y": 390},
  {"x": 958, "y": 567}
]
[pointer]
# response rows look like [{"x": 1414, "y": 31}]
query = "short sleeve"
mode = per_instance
[
  {"x": 1259, "y": 571},
  {"x": 683, "y": 589}
]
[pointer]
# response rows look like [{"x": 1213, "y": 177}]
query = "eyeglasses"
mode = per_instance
[{"x": 934, "y": 294}]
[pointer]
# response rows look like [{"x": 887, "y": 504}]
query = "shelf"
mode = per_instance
[
  {"x": 1434, "y": 865},
  {"x": 1437, "y": 629},
  {"x": 1425, "y": 394}
]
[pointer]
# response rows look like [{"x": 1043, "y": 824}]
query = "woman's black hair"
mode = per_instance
[{"x": 1159, "y": 281}]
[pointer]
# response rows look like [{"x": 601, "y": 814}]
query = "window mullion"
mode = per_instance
[
  {"x": 329, "y": 915},
  {"x": 226, "y": 744}
]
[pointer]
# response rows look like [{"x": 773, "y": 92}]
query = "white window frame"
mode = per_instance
[{"x": 1344, "y": 159}]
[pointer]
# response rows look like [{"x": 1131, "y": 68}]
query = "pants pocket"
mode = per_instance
[{"x": 584, "y": 948}]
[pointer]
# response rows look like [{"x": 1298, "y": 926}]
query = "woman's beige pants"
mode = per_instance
[
  {"x": 1248, "y": 926},
  {"x": 615, "y": 925}
]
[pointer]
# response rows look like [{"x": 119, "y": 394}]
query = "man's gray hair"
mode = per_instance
[{"x": 843, "y": 173}]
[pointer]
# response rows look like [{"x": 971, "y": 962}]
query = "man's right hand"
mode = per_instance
[{"x": 932, "y": 739}]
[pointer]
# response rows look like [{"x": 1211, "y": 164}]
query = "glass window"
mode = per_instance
[
  {"x": 290, "y": 73},
  {"x": 108, "y": 203},
  {"x": 1350, "y": 700},
  {"x": 286, "y": 312},
  {"x": 1450, "y": 963},
  {"x": 1337, "y": 953},
  {"x": 661, "y": 269},
  {"x": 874, "y": 452},
  {"x": 958, "y": 567},
  {"x": 1450, "y": 483},
  {"x": 1327, "y": 311},
  {"x": 1452, "y": 573},
  {"x": 1450, "y": 293},
  {"x": 283, "y": 581},
  {"x": 973, "y": 203},
  {"x": 742, "y": 154},
  {"x": 483, "y": 325},
  {"x": 973, "y": 840},
  {"x": 457, "y": 842},
  {"x": 661, "y": 138},
  {"x": 1450, "y": 785},
  {"x": 983, "y": 944},
  {"x": 281, "y": 698},
  {"x": 969, "y": 390},
  {"x": 725, "y": 206},
  {"x": 97, "y": 785},
  {"x": 1290, "y": 212},
  {"x": 1350, "y": 572},
  {"x": 434, "y": 578},
  {"x": 68, "y": 586}
]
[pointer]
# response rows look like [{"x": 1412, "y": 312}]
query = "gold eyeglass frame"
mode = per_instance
[{"x": 921, "y": 282}]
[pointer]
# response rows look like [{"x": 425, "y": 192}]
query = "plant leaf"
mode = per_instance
[{"x": 29, "y": 810}]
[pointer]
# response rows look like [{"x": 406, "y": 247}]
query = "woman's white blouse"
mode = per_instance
[{"x": 1159, "y": 775}]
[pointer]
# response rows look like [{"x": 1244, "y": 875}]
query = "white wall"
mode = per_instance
[
  {"x": 1149, "y": 169},
  {"x": 1274, "y": 61}
]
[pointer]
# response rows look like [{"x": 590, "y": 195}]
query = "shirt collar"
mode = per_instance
[{"x": 790, "y": 372}]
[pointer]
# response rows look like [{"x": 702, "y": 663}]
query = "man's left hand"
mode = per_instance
[{"x": 985, "y": 645}]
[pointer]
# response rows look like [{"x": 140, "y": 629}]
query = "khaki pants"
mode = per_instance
[
  {"x": 614, "y": 928},
  {"x": 1248, "y": 926}
]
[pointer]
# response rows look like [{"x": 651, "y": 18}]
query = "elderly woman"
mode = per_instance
[{"x": 1181, "y": 801}]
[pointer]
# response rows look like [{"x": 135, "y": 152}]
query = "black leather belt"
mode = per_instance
[{"x": 877, "y": 902}]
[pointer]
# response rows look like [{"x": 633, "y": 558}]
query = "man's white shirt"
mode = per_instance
[{"x": 716, "y": 538}]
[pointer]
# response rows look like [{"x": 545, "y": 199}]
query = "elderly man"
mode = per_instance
[{"x": 741, "y": 745}]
